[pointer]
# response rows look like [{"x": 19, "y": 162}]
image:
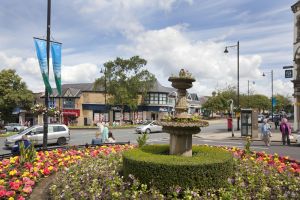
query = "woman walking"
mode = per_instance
[
  {"x": 266, "y": 132},
  {"x": 286, "y": 130}
]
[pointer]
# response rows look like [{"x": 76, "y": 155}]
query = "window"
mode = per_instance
[
  {"x": 156, "y": 98},
  {"x": 51, "y": 102},
  {"x": 59, "y": 128},
  {"x": 69, "y": 103}
]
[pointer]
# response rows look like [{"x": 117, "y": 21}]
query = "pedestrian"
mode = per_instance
[
  {"x": 16, "y": 148},
  {"x": 276, "y": 121},
  {"x": 100, "y": 126},
  {"x": 286, "y": 130},
  {"x": 266, "y": 132},
  {"x": 105, "y": 133},
  {"x": 97, "y": 140},
  {"x": 111, "y": 138}
]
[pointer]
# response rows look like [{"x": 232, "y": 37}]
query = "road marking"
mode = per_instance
[
  {"x": 214, "y": 141},
  {"x": 157, "y": 139}
]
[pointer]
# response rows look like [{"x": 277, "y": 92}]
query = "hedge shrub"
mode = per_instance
[{"x": 209, "y": 167}]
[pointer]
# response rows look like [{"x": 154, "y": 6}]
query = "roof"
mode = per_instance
[
  {"x": 75, "y": 90},
  {"x": 295, "y": 6},
  {"x": 157, "y": 87}
]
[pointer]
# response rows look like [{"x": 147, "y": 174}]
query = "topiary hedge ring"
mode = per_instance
[{"x": 209, "y": 167}]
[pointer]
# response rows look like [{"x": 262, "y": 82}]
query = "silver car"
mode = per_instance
[
  {"x": 149, "y": 127},
  {"x": 14, "y": 127},
  {"x": 57, "y": 134}
]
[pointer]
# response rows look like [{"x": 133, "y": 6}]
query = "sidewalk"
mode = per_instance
[{"x": 227, "y": 135}]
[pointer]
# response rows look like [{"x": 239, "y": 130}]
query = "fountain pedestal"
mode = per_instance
[{"x": 181, "y": 145}]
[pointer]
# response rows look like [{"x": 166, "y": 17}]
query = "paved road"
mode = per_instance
[{"x": 123, "y": 135}]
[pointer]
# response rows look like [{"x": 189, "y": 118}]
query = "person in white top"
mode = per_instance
[{"x": 110, "y": 138}]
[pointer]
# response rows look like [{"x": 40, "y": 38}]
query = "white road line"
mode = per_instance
[{"x": 213, "y": 141}]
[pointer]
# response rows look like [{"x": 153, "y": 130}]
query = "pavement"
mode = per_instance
[{"x": 227, "y": 135}]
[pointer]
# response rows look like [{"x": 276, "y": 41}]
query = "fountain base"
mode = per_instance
[{"x": 181, "y": 145}]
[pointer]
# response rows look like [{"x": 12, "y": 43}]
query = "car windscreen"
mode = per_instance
[
  {"x": 146, "y": 123},
  {"x": 27, "y": 130}
]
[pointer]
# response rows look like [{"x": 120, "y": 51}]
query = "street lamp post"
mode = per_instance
[
  {"x": 249, "y": 92},
  {"x": 272, "y": 103},
  {"x": 238, "y": 77},
  {"x": 104, "y": 72}
]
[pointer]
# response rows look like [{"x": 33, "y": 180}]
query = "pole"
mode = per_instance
[
  {"x": 248, "y": 94},
  {"x": 272, "y": 94},
  {"x": 45, "y": 136},
  {"x": 238, "y": 82},
  {"x": 105, "y": 85}
]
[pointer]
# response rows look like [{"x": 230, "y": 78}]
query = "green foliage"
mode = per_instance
[
  {"x": 126, "y": 80},
  {"x": 247, "y": 145},
  {"x": 142, "y": 139},
  {"x": 13, "y": 93},
  {"x": 27, "y": 154},
  {"x": 209, "y": 167}
]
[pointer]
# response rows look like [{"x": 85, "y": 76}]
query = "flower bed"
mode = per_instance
[
  {"x": 258, "y": 176},
  {"x": 17, "y": 181}
]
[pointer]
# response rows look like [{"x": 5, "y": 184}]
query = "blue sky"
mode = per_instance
[{"x": 169, "y": 34}]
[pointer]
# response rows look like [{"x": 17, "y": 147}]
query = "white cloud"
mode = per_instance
[{"x": 168, "y": 50}]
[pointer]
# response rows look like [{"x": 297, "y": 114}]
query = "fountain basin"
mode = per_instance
[{"x": 181, "y": 83}]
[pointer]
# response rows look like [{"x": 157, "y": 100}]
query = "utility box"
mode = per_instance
[{"x": 249, "y": 123}]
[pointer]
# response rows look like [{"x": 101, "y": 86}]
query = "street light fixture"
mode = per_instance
[
  {"x": 272, "y": 103},
  {"x": 104, "y": 72},
  {"x": 238, "y": 77}
]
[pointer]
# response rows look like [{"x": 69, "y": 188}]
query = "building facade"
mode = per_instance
[{"x": 296, "y": 71}]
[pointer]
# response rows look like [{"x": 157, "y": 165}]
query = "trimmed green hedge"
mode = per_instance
[{"x": 209, "y": 167}]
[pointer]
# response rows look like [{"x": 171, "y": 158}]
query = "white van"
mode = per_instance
[{"x": 57, "y": 134}]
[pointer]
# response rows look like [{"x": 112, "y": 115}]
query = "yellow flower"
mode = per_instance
[
  {"x": 35, "y": 169},
  {"x": 25, "y": 174},
  {"x": 50, "y": 168},
  {"x": 10, "y": 198},
  {"x": 13, "y": 172},
  {"x": 2, "y": 181}
]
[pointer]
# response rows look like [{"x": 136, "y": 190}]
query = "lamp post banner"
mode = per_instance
[
  {"x": 41, "y": 53},
  {"x": 56, "y": 61}
]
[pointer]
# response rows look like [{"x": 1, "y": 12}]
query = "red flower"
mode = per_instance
[
  {"x": 2, "y": 193},
  {"x": 46, "y": 171}
]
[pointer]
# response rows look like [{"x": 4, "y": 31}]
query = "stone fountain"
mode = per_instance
[{"x": 182, "y": 126}]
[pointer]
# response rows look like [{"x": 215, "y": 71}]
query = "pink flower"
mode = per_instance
[
  {"x": 10, "y": 193},
  {"x": 27, "y": 189},
  {"x": 21, "y": 198}
]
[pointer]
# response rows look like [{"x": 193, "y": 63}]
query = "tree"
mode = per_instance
[
  {"x": 282, "y": 103},
  {"x": 125, "y": 81},
  {"x": 13, "y": 93}
]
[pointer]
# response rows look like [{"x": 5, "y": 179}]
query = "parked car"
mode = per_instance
[
  {"x": 260, "y": 118},
  {"x": 57, "y": 133},
  {"x": 14, "y": 127},
  {"x": 297, "y": 138},
  {"x": 149, "y": 127}
]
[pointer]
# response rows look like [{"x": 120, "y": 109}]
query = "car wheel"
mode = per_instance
[
  {"x": 148, "y": 131},
  {"x": 5, "y": 130},
  {"x": 61, "y": 141},
  {"x": 15, "y": 130}
]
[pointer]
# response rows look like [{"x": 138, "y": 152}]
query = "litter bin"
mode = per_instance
[{"x": 229, "y": 124}]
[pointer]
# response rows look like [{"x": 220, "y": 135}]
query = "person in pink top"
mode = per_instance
[{"x": 286, "y": 130}]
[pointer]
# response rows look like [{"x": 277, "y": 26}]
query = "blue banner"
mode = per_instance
[
  {"x": 56, "y": 60},
  {"x": 41, "y": 53}
]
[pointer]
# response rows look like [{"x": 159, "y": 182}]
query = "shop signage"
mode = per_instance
[
  {"x": 74, "y": 112},
  {"x": 116, "y": 108},
  {"x": 163, "y": 109}
]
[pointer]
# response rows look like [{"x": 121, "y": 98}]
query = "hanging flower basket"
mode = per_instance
[{"x": 39, "y": 109}]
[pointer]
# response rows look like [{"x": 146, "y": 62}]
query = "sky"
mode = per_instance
[{"x": 169, "y": 34}]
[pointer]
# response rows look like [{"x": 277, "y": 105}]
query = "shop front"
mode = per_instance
[{"x": 70, "y": 116}]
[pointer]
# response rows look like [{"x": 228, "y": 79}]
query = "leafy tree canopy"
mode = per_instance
[
  {"x": 125, "y": 80},
  {"x": 13, "y": 93}
]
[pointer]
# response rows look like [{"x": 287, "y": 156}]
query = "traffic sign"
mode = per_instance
[{"x": 288, "y": 73}]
